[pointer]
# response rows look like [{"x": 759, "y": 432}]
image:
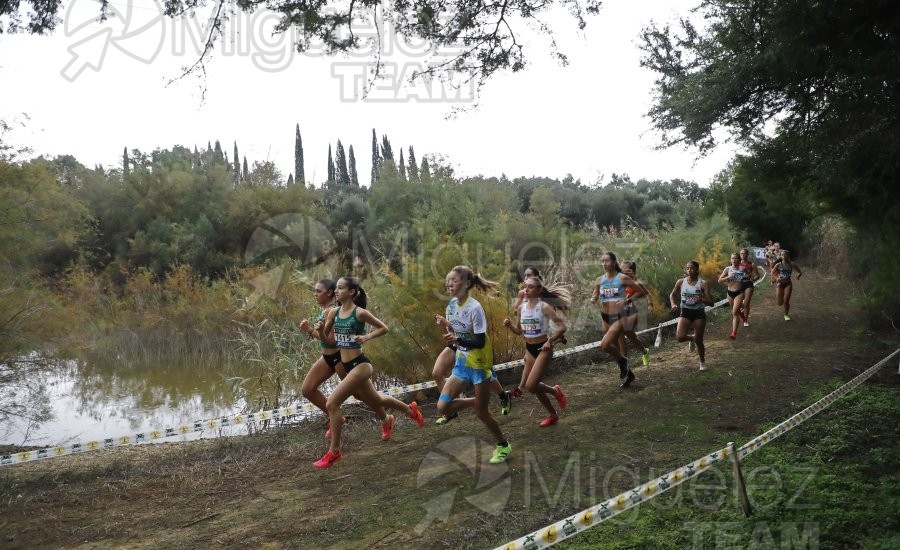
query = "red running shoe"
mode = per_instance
[
  {"x": 387, "y": 428},
  {"x": 516, "y": 392},
  {"x": 327, "y": 460},
  {"x": 549, "y": 421},
  {"x": 561, "y": 397},
  {"x": 416, "y": 414}
]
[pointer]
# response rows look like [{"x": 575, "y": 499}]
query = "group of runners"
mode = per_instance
[{"x": 540, "y": 310}]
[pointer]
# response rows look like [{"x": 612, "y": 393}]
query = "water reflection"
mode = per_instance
[{"x": 95, "y": 399}]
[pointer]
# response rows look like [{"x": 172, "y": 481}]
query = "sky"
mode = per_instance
[{"x": 91, "y": 89}]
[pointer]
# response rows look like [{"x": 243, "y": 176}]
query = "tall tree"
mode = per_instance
[
  {"x": 290, "y": 180},
  {"x": 413, "y": 166},
  {"x": 246, "y": 171},
  {"x": 425, "y": 171},
  {"x": 402, "y": 166},
  {"x": 218, "y": 154},
  {"x": 331, "y": 174},
  {"x": 354, "y": 176},
  {"x": 298, "y": 157},
  {"x": 342, "y": 175},
  {"x": 236, "y": 166},
  {"x": 386, "y": 152},
  {"x": 125, "y": 168},
  {"x": 376, "y": 158}
]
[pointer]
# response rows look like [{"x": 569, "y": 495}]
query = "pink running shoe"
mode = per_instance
[
  {"x": 416, "y": 414},
  {"x": 561, "y": 397},
  {"x": 327, "y": 460}
]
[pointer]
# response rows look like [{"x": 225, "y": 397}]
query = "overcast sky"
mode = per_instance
[{"x": 91, "y": 89}]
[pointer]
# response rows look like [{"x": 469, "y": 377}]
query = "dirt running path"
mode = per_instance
[{"x": 429, "y": 488}]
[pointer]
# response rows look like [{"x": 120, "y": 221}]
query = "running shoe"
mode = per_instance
[
  {"x": 561, "y": 397},
  {"x": 645, "y": 358},
  {"x": 501, "y": 452},
  {"x": 516, "y": 392},
  {"x": 549, "y": 421},
  {"x": 416, "y": 414},
  {"x": 623, "y": 367},
  {"x": 628, "y": 380},
  {"x": 327, "y": 460},
  {"x": 387, "y": 428},
  {"x": 746, "y": 323},
  {"x": 702, "y": 365},
  {"x": 505, "y": 403},
  {"x": 786, "y": 318},
  {"x": 733, "y": 335},
  {"x": 443, "y": 419}
]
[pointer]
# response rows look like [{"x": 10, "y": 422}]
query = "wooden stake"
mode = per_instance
[{"x": 739, "y": 481}]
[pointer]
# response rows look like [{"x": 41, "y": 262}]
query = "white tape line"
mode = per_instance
[
  {"x": 585, "y": 519},
  {"x": 262, "y": 416},
  {"x": 563, "y": 529}
]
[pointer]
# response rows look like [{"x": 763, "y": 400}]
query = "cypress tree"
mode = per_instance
[
  {"x": 425, "y": 172},
  {"x": 342, "y": 176},
  {"x": 402, "y": 166},
  {"x": 218, "y": 155},
  {"x": 386, "y": 150},
  {"x": 236, "y": 167},
  {"x": 125, "y": 168},
  {"x": 354, "y": 177},
  {"x": 298, "y": 157},
  {"x": 376, "y": 158},
  {"x": 246, "y": 171},
  {"x": 330, "y": 168},
  {"x": 290, "y": 180},
  {"x": 413, "y": 167}
]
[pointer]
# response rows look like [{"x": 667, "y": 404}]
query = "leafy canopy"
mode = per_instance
[{"x": 475, "y": 38}]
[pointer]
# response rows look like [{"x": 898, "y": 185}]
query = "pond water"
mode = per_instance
[{"x": 93, "y": 401}]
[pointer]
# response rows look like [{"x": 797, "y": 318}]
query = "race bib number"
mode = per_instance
[{"x": 531, "y": 327}]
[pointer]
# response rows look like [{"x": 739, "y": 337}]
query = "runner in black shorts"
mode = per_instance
[{"x": 694, "y": 295}]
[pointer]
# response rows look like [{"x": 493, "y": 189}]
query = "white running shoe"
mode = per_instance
[{"x": 702, "y": 365}]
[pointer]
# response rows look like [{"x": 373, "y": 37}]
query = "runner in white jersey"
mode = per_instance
[
  {"x": 734, "y": 276},
  {"x": 540, "y": 306},
  {"x": 473, "y": 360},
  {"x": 689, "y": 297},
  {"x": 466, "y": 318}
]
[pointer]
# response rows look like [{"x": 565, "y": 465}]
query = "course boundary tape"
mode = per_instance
[
  {"x": 572, "y": 525},
  {"x": 278, "y": 414}
]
